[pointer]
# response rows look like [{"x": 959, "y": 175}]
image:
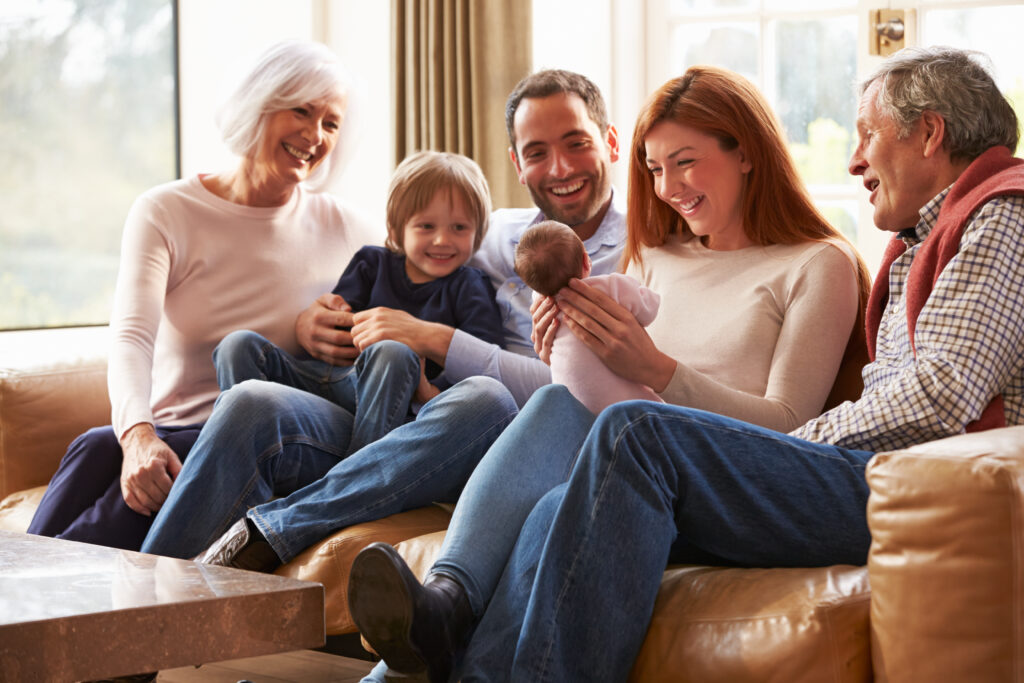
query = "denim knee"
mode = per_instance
[
  {"x": 240, "y": 343},
  {"x": 389, "y": 352},
  {"x": 552, "y": 394},
  {"x": 239, "y": 356},
  {"x": 486, "y": 393}
]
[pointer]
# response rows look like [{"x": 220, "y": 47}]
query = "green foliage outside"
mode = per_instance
[{"x": 87, "y": 125}]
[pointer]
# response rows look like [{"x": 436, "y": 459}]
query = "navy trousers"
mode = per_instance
[{"x": 83, "y": 501}]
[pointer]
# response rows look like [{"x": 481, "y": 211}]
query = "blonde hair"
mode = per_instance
[
  {"x": 419, "y": 178},
  {"x": 549, "y": 255}
]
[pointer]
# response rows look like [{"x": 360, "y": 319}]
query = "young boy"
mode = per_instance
[
  {"x": 549, "y": 255},
  {"x": 437, "y": 212}
]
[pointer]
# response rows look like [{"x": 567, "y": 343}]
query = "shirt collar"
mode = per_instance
[
  {"x": 610, "y": 233},
  {"x": 929, "y": 217}
]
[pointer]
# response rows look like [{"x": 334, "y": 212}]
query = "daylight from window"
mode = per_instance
[{"x": 87, "y": 124}]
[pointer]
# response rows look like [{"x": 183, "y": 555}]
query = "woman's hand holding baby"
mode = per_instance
[{"x": 612, "y": 332}]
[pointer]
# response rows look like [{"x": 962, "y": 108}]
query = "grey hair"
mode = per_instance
[
  {"x": 957, "y": 85},
  {"x": 287, "y": 75}
]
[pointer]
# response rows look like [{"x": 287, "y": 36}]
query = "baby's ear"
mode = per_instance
[{"x": 587, "y": 266}]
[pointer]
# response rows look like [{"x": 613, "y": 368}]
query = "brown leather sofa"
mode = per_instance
[{"x": 947, "y": 597}]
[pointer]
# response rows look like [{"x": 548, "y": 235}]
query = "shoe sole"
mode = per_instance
[{"x": 381, "y": 607}]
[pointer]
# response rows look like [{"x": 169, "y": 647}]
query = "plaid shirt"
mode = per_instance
[{"x": 969, "y": 339}]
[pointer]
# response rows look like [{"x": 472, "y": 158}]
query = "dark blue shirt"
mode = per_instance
[{"x": 464, "y": 299}]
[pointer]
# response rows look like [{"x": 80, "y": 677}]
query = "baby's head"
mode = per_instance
[
  {"x": 549, "y": 255},
  {"x": 437, "y": 212}
]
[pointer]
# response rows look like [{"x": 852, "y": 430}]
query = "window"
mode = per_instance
[
  {"x": 807, "y": 57},
  {"x": 89, "y": 121}
]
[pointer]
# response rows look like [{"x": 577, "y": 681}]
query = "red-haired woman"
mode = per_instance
[{"x": 760, "y": 297}]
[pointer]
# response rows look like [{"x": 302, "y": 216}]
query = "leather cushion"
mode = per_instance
[
  {"x": 16, "y": 510},
  {"x": 947, "y": 519},
  {"x": 330, "y": 560},
  {"x": 53, "y": 387},
  {"x": 735, "y": 625}
]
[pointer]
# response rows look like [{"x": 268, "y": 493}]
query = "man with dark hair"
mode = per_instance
[
  {"x": 655, "y": 483},
  {"x": 265, "y": 440}
]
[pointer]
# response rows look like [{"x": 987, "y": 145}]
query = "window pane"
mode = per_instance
[
  {"x": 808, "y": 5},
  {"x": 815, "y": 70},
  {"x": 691, "y": 7},
  {"x": 992, "y": 30},
  {"x": 88, "y": 123},
  {"x": 728, "y": 45},
  {"x": 842, "y": 215}
]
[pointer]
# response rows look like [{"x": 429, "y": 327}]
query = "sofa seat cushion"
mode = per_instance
[
  {"x": 737, "y": 625},
  {"x": 53, "y": 387},
  {"x": 947, "y": 559},
  {"x": 16, "y": 510},
  {"x": 329, "y": 561}
]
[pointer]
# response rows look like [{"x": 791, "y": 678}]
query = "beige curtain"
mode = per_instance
[{"x": 454, "y": 64}]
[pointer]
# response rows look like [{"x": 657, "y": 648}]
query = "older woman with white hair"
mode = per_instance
[{"x": 249, "y": 248}]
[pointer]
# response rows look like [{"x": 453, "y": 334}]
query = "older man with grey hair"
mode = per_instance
[{"x": 661, "y": 483}]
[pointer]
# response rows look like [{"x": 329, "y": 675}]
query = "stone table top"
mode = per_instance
[{"x": 74, "y": 611}]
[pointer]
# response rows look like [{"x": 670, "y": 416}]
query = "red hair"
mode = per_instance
[{"x": 776, "y": 207}]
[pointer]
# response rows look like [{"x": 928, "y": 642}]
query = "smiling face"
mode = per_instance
[
  {"x": 895, "y": 170},
  {"x": 297, "y": 140},
  {"x": 700, "y": 180},
  {"x": 438, "y": 239},
  {"x": 563, "y": 158}
]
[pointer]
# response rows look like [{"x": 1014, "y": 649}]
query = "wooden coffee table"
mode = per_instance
[{"x": 74, "y": 611}]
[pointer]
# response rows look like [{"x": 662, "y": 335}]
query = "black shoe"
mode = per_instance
[
  {"x": 415, "y": 628},
  {"x": 243, "y": 547}
]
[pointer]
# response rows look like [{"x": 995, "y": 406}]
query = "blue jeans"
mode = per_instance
[
  {"x": 266, "y": 439},
  {"x": 531, "y": 457},
  {"x": 377, "y": 389},
  {"x": 655, "y": 484}
]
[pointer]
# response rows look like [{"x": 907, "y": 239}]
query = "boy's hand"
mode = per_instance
[
  {"x": 317, "y": 330},
  {"x": 425, "y": 391}
]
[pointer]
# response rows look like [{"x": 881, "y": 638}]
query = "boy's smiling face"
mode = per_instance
[{"x": 438, "y": 239}]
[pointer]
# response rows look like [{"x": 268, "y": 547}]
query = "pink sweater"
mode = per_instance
[
  {"x": 195, "y": 267},
  {"x": 581, "y": 371}
]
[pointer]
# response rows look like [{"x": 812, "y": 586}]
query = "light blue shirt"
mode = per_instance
[{"x": 517, "y": 367}]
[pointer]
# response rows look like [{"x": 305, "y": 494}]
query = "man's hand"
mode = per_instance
[
  {"x": 148, "y": 470},
  {"x": 612, "y": 332},
  {"x": 545, "y": 323},
  {"x": 430, "y": 340},
  {"x": 316, "y": 330}
]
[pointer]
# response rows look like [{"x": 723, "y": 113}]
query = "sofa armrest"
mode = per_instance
[
  {"x": 946, "y": 569},
  {"x": 53, "y": 386}
]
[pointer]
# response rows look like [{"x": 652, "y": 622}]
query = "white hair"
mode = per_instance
[{"x": 287, "y": 75}]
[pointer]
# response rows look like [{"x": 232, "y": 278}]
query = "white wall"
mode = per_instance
[
  {"x": 220, "y": 39},
  {"x": 578, "y": 35}
]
